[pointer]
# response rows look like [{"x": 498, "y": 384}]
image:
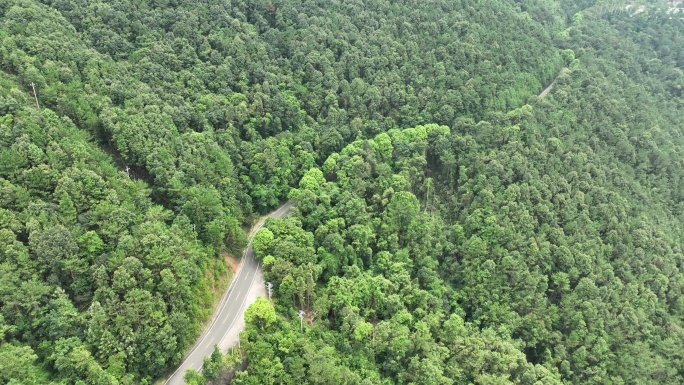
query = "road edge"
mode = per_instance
[
  {"x": 258, "y": 224},
  {"x": 214, "y": 317}
]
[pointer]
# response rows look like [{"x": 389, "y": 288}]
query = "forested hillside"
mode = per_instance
[
  {"x": 452, "y": 227},
  {"x": 538, "y": 246}
]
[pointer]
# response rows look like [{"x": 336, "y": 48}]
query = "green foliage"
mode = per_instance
[
  {"x": 18, "y": 363},
  {"x": 538, "y": 247},
  {"x": 191, "y": 377},
  {"x": 211, "y": 365},
  {"x": 260, "y": 313},
  {"x": 101, "y": 283},
  {"x": 451, "y": 227},
  {"x": 262, "y": 242}
]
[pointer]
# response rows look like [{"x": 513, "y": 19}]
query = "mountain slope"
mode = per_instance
[{"x": 458, "y": 229}]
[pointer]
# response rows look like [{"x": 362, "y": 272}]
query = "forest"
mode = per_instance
[{"x": 451, "y": 226}]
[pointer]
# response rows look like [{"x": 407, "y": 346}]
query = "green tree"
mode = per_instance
[
  {"x": 260, "y": 314},
  {"x": 262, "y": 242}
]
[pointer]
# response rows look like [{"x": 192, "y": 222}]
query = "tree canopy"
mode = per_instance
[{"x": 450, "y": 225}]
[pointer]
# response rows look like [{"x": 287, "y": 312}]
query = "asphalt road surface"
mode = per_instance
[
  {"x": 553, "y": 83},
  {"x": 231, "y": 308}
]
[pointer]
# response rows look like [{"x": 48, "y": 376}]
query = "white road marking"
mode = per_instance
[
  {"x": 242, "y": 305},
  {"x": 228, "y": 298}
]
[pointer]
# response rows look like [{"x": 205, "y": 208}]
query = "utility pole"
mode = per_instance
[
  {"x": 33, "y": 85},
  {"x": 301, "y": 319},
  {"x": 269, "y": 286},
  {"x": 128, "y": 172}
]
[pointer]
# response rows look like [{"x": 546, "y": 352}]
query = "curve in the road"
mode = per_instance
[{"x": 230, "y": 309}]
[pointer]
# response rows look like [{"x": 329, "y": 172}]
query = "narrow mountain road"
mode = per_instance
[
  {"x": 230, "y": 309},
  {"x": 553, "y": 83}
]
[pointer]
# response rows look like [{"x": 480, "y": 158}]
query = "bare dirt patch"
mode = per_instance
[{"x": 231, "y": 261}]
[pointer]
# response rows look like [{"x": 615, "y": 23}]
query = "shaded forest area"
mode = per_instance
[{"x": 451, "y": 226}]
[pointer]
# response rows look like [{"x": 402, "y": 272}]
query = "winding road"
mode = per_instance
[{"x": 230, "y": 309}]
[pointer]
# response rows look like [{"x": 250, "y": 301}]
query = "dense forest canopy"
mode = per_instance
[{"x": 451, "y": 226}]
